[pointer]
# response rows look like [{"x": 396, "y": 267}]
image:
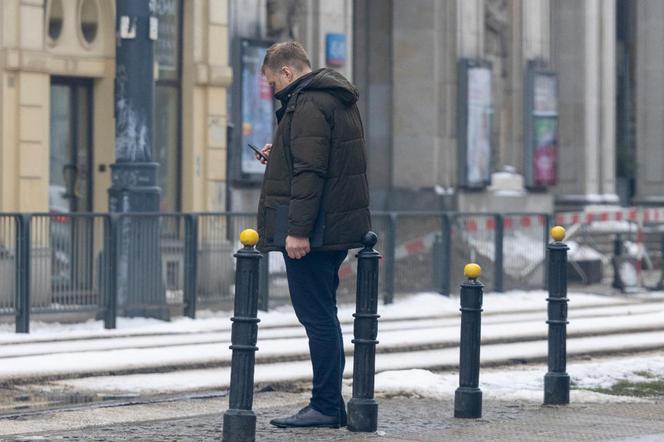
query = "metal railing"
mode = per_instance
[
  {"x": 64, "y": 264},
  {"x": 8, "y": 263},
  {"x": 87, "y": 262},
  {"x": 427, "y": 251},
  {"x": 599, "y": 240},
  {"x": 105, "y": 265}
]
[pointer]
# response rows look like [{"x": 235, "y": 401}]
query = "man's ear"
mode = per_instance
[{"x": 288, "y": 72}]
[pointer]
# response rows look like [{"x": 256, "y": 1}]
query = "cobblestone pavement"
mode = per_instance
[{"x": 400, "y": 419}]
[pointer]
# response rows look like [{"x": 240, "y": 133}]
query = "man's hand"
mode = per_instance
[
  {"x": 297, "y": 247},
  {"x": 265, "y": 151}
]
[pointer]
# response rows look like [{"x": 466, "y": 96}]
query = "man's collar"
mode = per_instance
[{"x": 284, "y": 94}]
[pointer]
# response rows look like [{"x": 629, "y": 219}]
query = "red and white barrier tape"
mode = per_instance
[
  {"x": 488, "y": 223},
  {"x": 412, "y": 247},
  {"x": 638, "y": 215}
]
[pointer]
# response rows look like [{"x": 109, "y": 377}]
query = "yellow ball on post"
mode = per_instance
[
  {"x": 249, "y": 237},
  {"x": 558, "y": 233},
  {"x": 472, "y": 270}
]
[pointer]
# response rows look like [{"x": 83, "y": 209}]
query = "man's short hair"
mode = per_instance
[{"x": 287, "y": 53}]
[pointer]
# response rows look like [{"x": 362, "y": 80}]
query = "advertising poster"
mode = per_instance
[
  {"x": 257, "y": 108},
  {"x": 546, "y": 100},
  {"x": 478, "y": 149},
  {"x": 544, "y": 157},
  {"x": 541, "y": 140}
]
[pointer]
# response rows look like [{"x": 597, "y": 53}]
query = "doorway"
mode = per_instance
[
  {"x": 70, "y": 233},
  {"x": 70, "y": 177}
]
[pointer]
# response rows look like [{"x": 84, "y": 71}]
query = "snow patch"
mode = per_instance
[
  {"x": 579, "y": 252},
  {"x": 527, "y": 384},
  {"x": 422, "y": 305}
]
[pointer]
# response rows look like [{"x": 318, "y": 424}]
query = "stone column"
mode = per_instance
[
  {"x": 416, "y": 94},
  {"x": 584, "y": 55},
  {"x": 469, "y": 26},
  {"x": 530, "y": 40},
  {"x": 24, "y": 109},
  {"x": 372, "y": 74},
  {"x": 206, "y": 77},
  {"x": 426, "y": 44},
  {"x": 649, "y": 101}
]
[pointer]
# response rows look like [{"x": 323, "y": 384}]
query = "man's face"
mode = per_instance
[{"x": 278, "y": 80}]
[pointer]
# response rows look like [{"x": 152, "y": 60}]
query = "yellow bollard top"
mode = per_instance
[
  {"x": 249, "y": 237},
  {"x": 558, "y": 233},
  {"x": 472, "y": 270}
]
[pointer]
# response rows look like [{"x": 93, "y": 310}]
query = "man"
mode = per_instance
[{"x": 315, "y": 195}]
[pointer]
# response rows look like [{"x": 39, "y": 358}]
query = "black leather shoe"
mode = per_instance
[{"x": 306, "y": 417}]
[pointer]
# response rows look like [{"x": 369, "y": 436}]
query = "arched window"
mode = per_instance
[
  {"x": 88, "y": 16},
  {"x": 54, "y": 19}
]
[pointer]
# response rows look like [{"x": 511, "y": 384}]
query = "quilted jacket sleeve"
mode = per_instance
[{"x": 310, "y": 150}]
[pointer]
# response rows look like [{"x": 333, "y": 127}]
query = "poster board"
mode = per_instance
[
  {"x": 474, "y": 123},
  {"x": 540, "y": 127},
  {"x": 253, "y": 113}
]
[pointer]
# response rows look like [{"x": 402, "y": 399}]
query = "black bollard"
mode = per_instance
[
  {"x": 436, "y": 253},
  {"x": 363, "y": 408},
  {"x": 239, "y": 419},
  {"x": 617, "y": 253},
  {"x": 445, "y": 254},
  {"x": 556, "y": 381},
  {"x": 23, "y": 272},
  {"x": 468, "y": 397},
  {"x": 660, "y": 284}
]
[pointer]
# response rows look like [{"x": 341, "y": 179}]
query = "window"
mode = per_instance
[
  {"x": 89, "y": 19},
  {"x": 167, "y": 130},
  {"x": 166, "y": 136},
  {"x": 167, "y": 46},
  {"x": 55, "y": 18}
]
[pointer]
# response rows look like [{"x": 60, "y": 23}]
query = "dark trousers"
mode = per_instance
[{"x": 313, "y": 282}]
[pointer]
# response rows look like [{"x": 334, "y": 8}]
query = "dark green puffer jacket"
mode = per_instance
[{"x": 318, "y": 158}]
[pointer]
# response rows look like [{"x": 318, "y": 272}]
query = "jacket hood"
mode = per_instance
[
  {"x": 331, "y": 81},
  {"x": 326, "y": 80}
]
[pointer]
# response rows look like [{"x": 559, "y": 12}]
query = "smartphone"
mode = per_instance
[{"x": 258, "y": 152}]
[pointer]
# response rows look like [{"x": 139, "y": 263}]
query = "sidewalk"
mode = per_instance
[{"x": 400, "y": 419}]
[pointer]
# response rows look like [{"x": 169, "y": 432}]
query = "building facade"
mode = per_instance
[
  {"x": 57, "y": 108},
  {"x": 414, "y": 63},
  {"x": 471, "y": 105}
]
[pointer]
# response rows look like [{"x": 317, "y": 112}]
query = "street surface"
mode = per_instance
[
  {"x": 400, "y": 419},
  {"x": 150, "y": 380}
]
